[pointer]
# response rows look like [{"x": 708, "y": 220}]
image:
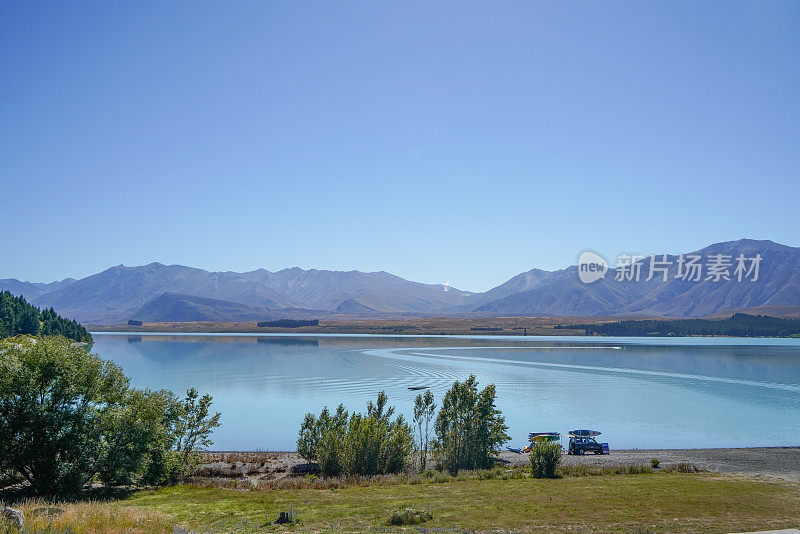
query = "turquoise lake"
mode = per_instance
[{"x": 640, "y": 393}]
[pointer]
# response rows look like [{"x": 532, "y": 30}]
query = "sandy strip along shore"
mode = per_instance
[
  {"x": 777, "y": 462},
  {"x": 781, "y": 462}
]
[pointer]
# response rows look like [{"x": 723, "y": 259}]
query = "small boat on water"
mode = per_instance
[
  {"x": 417, "y": 388},
  {"x": 512, "y": 449}
]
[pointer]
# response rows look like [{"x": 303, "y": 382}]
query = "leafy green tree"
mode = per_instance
[
  {"x": 469, "y": 429},
  {"x": 322, "y": 439},
  {"x": 7, "y": 320},
  {"x": 310, "y": 435},
  {"x": 53, "y": 399},
  {"x": 193, "y": 426},
  {"x": 67, "y": 416},
  {"x": 138, "y": 439},
  {"x": 331, "y": 446},
  {"x": 424, "y": 411},
  {"x": 374, "y": 443},
  {"x": 359, "y": 444},
  {"x": 28, "y": 322}
]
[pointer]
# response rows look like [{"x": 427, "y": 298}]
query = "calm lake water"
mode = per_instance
[{"x": 641, "y": 393}]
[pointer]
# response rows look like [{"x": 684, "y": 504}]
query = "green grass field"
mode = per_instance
[{"x": 659, "y": 502}]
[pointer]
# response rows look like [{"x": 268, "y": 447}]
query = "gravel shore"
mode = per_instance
[
  {"x": 773, "y": 462},
  {"x": 780, "y": 462}
]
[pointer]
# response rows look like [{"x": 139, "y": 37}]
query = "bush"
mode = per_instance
[
  {"x": 654, "y": 463},
  {"x": 67, "y": 416},
  {"x": 357, "y": 444},
  {"x": 685, "y": 467},
  {"x": 409, "y": 516},
  {"x": 545, "y": 458},
  {"x": 469, "y": 428}
]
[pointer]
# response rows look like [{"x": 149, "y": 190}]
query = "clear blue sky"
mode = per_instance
[{"x": 441, "y": 141}]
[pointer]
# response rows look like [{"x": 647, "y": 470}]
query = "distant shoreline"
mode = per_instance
[
  {"x": 505, "y": 326},
  {"x": 489, "y": 326}
]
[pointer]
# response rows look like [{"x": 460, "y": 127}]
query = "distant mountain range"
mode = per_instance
[
  {"x": 174, "y": 293},
  {"x": 176, "y": 307}
]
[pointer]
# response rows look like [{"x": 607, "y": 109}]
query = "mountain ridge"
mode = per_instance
[
  {"x": 177, "y": 307},
  {"x": 119, "y": 293}
]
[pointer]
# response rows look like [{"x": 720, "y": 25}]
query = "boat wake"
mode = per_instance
[{"x": 421, "y": 354}]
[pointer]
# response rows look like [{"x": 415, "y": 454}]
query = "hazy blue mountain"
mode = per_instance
[
  {"x": 115, "y": 294},
  {"x": 379, "y": 292},
  {"x": 176, "y": 307},
  {"x": 562, "y": 293},
  {"x": 31, "y": 290},
  {"x": 778, "y": 284},
  {"x": 517, "y": 284}
]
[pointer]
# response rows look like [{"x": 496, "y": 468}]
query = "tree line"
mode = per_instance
[
  {"x": 467, "y": 431},
  {"x": 738, "y": 325},
  {"x": 18, "y": 317}
]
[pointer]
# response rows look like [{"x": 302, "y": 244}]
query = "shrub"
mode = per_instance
[
  {"x": 469, "y": 428},
  {"x": 357, "y": 444},
  {"x": 545, "y": 458},
  {"x": 684, "y": 467},
  {"x": 409, "y": 516},
  {"x": 66, "y": 415},
  {"x": 654, "y": 463}
]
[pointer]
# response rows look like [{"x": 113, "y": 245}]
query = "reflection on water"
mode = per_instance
[
  {"x": 290, "y": 341},
  {"x": 685, "y": 392}
]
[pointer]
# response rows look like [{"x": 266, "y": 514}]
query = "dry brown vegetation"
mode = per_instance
[
  {"x": 507, "y": 326},
  {"x": 92, "y": 518}
]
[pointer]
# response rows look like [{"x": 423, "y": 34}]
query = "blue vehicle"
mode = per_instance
[
  {"x": 582, "y": 441},
  {"x": 581, "y": 446}
]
